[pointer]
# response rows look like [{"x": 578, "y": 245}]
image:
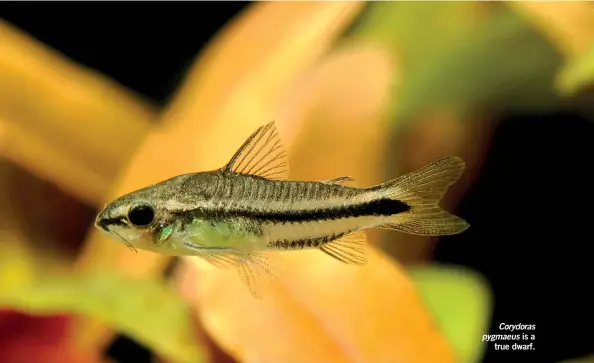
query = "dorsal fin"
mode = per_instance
[
  {"x": 340, "y": 180},
  {"x": 262, "y": 154}
]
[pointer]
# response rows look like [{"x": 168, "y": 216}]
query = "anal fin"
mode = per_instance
[{"x": 348, "y": 249}]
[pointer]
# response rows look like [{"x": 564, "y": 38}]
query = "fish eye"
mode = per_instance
[{"x": 141, "y": 215}]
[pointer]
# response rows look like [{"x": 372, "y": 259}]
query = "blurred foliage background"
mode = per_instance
[{"x": 99, "y": 99}]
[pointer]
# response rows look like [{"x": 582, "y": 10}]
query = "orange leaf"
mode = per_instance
[
  {"x": 322, "y": 310},
  {"x": 233, "y": 89}
]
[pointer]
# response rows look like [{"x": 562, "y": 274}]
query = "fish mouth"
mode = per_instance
[{"x": 104, "y": 224}]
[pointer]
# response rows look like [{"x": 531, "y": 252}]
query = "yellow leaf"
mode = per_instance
[{"x": 58, "y": 121}]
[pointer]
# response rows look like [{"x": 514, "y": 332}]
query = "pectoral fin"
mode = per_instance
[{"x": 249, "y": 266}]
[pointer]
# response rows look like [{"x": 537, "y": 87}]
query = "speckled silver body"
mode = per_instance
[{"x": 282, "y": 214}]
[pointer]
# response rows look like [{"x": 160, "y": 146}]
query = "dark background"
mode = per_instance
[{"x": 530, "y": 209}]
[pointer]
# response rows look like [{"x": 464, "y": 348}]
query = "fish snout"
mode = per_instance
[{"x": 102, "y": 221}]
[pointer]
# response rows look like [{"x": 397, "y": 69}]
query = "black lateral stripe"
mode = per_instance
[{"x": 381, "y": 207}]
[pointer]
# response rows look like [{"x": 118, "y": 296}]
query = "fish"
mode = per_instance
[{"x": 233, "y": 215}]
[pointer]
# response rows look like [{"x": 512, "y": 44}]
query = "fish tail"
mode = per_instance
[{"x": 421, "y": 191}]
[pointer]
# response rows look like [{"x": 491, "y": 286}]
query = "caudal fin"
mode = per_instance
[{"x": 422, "y": 190}]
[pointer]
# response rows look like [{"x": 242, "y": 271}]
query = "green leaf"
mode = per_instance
[
  {"x": 147, "y": 310},
  {"x": 460, "y": 303},
  {"x": 577, "y": 74},
  {"x": 462, "y": 55},
  {"x": 409, "y": 29}
]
